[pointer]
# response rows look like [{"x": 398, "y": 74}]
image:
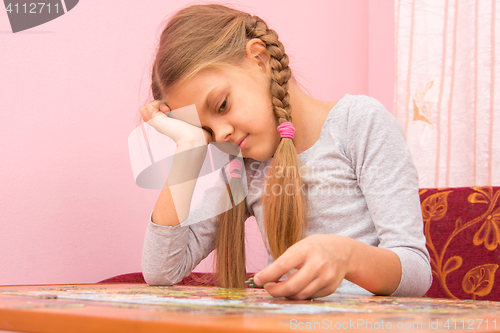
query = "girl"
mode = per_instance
[{"x": 351, "y": 224}]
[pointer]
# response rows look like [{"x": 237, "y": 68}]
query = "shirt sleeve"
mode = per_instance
[
  {"x": 388, "y": 179},
  {"x": 170, "y": 253}
]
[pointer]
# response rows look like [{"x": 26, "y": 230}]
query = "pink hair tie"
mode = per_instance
[
  {"x": 286, "y": 130},
  {"x": 235, "y": 165}
]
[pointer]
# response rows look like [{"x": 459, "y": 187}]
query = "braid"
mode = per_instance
[
  {"x": 285, "y": 216},
  {"x": 280, "y": 72}
]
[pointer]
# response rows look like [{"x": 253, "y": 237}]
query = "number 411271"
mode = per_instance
[
  {"x": 470, "y": 324},
  {"x": 31, "y": 8}
]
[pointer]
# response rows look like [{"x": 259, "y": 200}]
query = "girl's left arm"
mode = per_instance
[
  {"x": 399, "y": 265},
  {"x": 324, "y": 260}
]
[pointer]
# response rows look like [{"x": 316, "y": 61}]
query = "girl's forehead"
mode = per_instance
[{"x": 202, "y": 90}]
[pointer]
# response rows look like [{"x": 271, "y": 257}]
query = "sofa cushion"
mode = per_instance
[{"x": 462, "y": 228}]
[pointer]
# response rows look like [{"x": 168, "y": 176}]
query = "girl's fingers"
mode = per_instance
[
  {"x": 308, "y": 291},
  {"x": 303, "y": 283},
  {"x": 320, "y": 287},
  {"x": 308, "y": 282},
  {"x": 184, "y": 131},
  {"x": 164, "y": 108},
  {"x": 293, "y": 257},
  {"x": 152, "y": 109},
  {"x": 327, "y": 290}
]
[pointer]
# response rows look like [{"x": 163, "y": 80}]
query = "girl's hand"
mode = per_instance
[
  {"x": 182, "y": 132},
  {"x": 322, "y": 262}
]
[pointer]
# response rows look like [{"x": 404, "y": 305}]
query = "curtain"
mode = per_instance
[{"x": 447, "y": 95}]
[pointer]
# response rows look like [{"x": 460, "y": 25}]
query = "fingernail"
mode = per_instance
[{"x": 257, "y": 281}]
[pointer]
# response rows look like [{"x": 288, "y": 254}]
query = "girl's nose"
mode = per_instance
[{"x": 222, "y": 132}]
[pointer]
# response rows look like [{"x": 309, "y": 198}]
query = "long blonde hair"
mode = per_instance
[{"x": 206, "y": 36}]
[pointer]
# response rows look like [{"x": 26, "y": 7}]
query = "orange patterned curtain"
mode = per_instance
[{"x": 447, "y": 94}]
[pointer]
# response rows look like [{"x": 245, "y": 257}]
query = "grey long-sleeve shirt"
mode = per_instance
[{"x": 360, "y": 182}]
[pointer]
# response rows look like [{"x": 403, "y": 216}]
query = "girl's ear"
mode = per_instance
[{"x": 257, "y": 53}]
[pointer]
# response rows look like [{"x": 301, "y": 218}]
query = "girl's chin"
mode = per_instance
[{"x": 259, "y": 158}]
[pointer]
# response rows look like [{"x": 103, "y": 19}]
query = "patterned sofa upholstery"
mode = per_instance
[{"x": 462, "y": 228}]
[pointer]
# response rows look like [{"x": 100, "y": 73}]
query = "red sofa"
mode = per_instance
[{"x": 462, "y": 227}]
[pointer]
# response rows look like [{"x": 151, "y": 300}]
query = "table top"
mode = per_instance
[{"x": 141, "y": 308}]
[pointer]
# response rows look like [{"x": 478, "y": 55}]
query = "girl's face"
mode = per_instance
[{"x": 234, "y": 105}]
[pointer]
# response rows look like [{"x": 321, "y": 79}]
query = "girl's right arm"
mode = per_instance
[
  {"x": 170, "y": 253},
  {"x": 172, "y": 206},
  {"x": 171, "y": 250}
]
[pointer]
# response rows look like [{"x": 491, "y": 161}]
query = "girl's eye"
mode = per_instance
[{"x": 223, "y": 106}]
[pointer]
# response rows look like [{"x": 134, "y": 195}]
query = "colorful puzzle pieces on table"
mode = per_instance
[{"x": 222, "y": 301}]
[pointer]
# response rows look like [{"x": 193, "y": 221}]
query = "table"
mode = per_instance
[{"x": 141, "y": 308}]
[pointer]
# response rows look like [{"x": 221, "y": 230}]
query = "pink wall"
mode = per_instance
[
  {"x": 381, "y": 51},
  {"x": 70, "y": 91}
]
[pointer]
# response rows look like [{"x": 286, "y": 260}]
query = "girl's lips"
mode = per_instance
[{"x": 243, "y": 143}]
